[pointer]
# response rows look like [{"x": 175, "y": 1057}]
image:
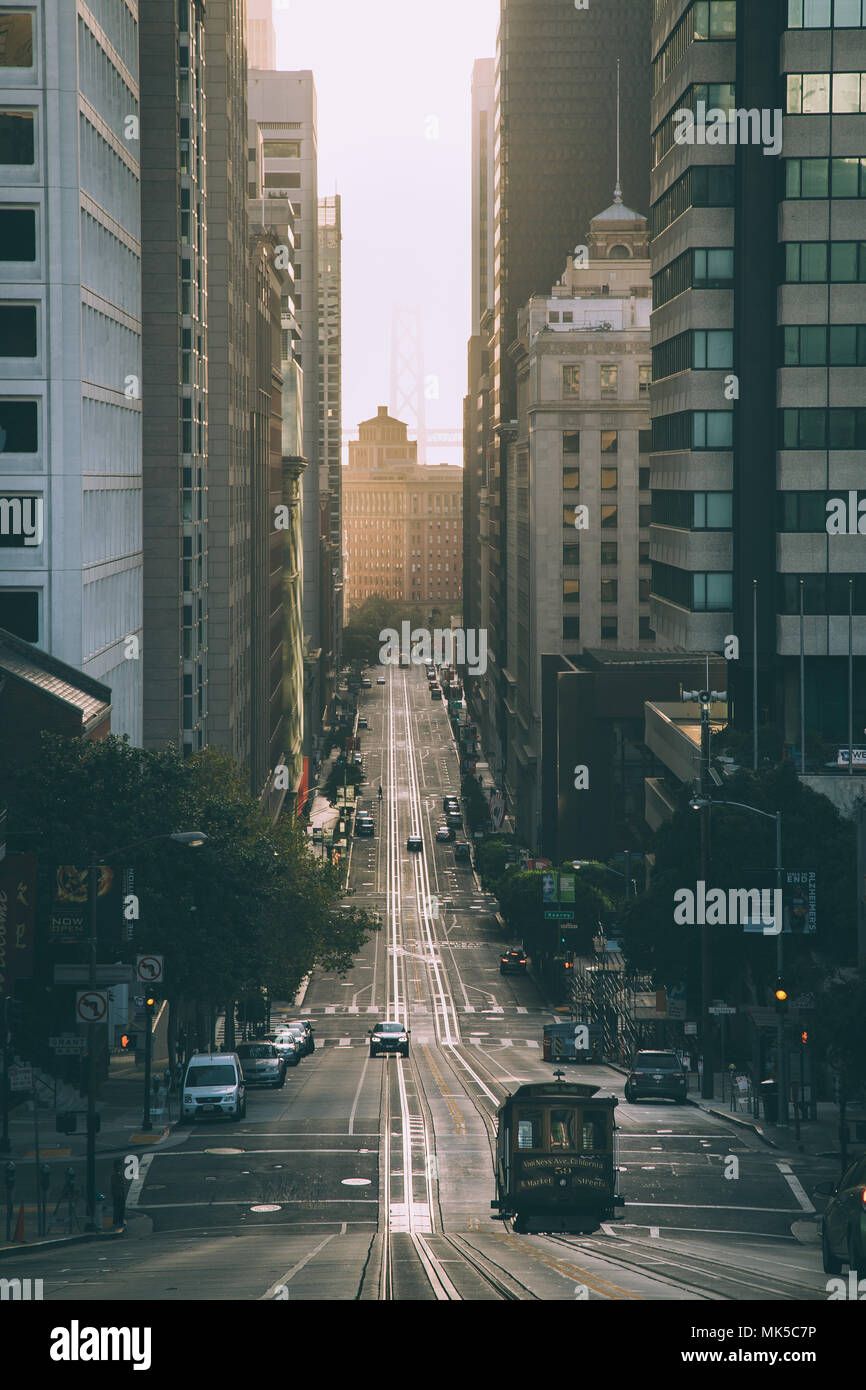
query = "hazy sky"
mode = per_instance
[{"x": 390, "y": 74}]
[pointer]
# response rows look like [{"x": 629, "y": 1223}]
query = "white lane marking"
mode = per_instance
[
  {"x": 608, "y": 1230},
  {"x": 708, "y": 1206},
  {"x": 654, "y": 1232},
  {"x": 137, "y": 1184},
  {"x": 271, "y": 1292},
  {"x": 330, "y": 1008},
  {"x": 371, "y": 1009},
  {"x": 344, "y": 1042},
  {"x": 353, "y": 1009},
  {"x": 521, "y": 1010},
  {"x": 530, "y": 1042},
  {"x": 469, "y": 1009},
  {"x": 353, "y": 1111},
  {"x": 506, "y": 1042},
  {"x": 796, "y": 1187}
]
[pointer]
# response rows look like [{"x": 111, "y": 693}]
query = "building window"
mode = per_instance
[
  {"x": 645, "y": 632},
  {"x": 571, "y": 381},
  {"x": 19, "y": 613},
  {"x": 608, "y": 590},
  {"x": 553, "y": 316},
  {"x": 571, "y": 629},
  {"x": 838, "y": 428},
  {"x": 644, "y": 378},
  {"x": 609, "y": 516},
  {"x": 609, "y": 629},
  {"x": 700, "y": 593},
  {"x": 814, "y": 262},
  {"x": 281, "y": 149},
  {"x": 643, "y": 552},
  {"x": 570, "y": 479},
  {"x": 568, "y": 316},
  {"x": 609, "y": 381},
  {"x": 16, "y": 137},
  {"x": 17, "y": 234},
  {"x": 282, "y": 181},
  {"x": 608, "y": 552},
  {"x": 643, "y": 591},
  {"x": 608, "y": 479},
  {"x": 817, "y": 345},
  {"x": 609, "y": 442},
  {"x": 802, "y": 511},
  {"x": 643, "y": 479},
  {"x": 571, "y": 591},
  {"x": 17, "y": 330},
  {"x": 16, "y": 39},
  {"x": 571, "y": 555},
  {"x": 18, "y": 427},
  {"x": 811, "y": 93},
  {"x": 571, "y": 442},
  {"x": 713, "y": 268}
]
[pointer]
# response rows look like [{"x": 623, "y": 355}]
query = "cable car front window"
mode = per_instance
[
  {"x": 562, "y": 1129},
  {"x": 529, "y": 1129}
]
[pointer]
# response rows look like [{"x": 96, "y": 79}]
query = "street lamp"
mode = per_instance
[
  {"x": 701, "y": 803},
  {"x": 181, "y": 837}
]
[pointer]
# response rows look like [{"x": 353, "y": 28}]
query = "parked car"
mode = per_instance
[
  {"x": 659, "y": 1075},
  {"x": 444, "y": 834},
  {"x": 414, "y": 842},
  {"x": 450, "y": 803},
  {"x": 366, "y": 683},
  {"x": 454, "y": 819},
  {"x": 305, "y": 1027},
  {"x": 363, "y": 724},
  {"x": 287, "y": 1045},
  {"x": 513, "y": 962},
  {"x": 435, "y": 692},
  {"x": 262, "y": 1064},
  {"x": 364, "y": 827},
  {"x": 214, "y": 1085},
  {"x": 380, "y": 680},
  {"x": 843, "y": 1226},
  {"x": 389, "y": 1037},
  {"x": 462, "y": 852}
]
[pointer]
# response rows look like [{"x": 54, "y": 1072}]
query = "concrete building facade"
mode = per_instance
[
  {"x": 71, "y": 561},
  {"x": 578, "y": 469},
  {"x": 403, "y": 521},
  {"x": 330, "y": 415},
  {"x": 759, "y": 362}
]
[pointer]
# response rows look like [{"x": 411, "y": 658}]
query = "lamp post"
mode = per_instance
[
  {"x": 704, "y": 804},
  {"x": 183, "y": 837}
]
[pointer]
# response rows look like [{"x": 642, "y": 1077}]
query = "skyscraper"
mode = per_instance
[
  {"x": 759, "y": 350},
  {"x": 70, "y": 342},
  {"x": 261, "y": 36},
  {"x": 554, "y": 148},
  {"x": 175, "y": 162},
  {"x": 331, "y": 415}
]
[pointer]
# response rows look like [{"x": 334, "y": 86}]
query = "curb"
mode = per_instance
[
  {"x": 32, "y": 1247},
  {"x": 730, "y": 1118}
]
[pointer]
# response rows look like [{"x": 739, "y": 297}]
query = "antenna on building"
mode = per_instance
[{"x": 617, "y": 193}]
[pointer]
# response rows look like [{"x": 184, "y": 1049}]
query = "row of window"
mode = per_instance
[
  {"x": 701, "y": 350},
  {"x": 609, "y": 441},
  {"x": 815, "y": 428},
  {"x": 706, "y": 268},
  {"x": 609, "y": 629},
  {"x": 805, "y": 511},
  {"x": 819, "y": 93},
  {"x": 608, "y": 553},
  {"x": 608, "y": 590},
  {"x": 715, "y": 96},
  {"x": 823, "y": 345},
  {"x": 693, "y": 429},
  {"x": 609, "y": 516},
  {"x": 704, "y": 19},
  {"x": 17, "y": 234},
  {"x": 826, "y": 14},
  {"x": 824, "y": 178},
  {"x": 821, "y": 594},
  {"x": 609, "y": 380},
  {"x": 702, "y": 186},
  {"x": 607, "y": 476},
  {"x": 693, "y": 511},
  {"x": 702, "y": 592}
]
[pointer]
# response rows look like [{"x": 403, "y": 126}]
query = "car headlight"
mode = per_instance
[{"x": 187, "y": 1100}]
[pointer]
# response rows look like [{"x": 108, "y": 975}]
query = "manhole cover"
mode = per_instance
[
  {"x": 267, "y": 1206},
  {"x": 225, "y": 1151},
  {"x": 356, "y": 1182}
]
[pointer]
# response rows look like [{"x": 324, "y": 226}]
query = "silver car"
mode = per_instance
[
  {"x": 262, "y": 1064},
  {"x": 287, "y": 1045}
]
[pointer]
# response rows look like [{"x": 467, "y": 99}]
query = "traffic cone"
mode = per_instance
[{"x": 18, "y": 1238}]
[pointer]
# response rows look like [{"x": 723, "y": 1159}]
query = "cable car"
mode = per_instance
[{"x": 556, "y": 1158}]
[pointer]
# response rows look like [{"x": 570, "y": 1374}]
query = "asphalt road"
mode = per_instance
[{"x": 371, "y": 1179}]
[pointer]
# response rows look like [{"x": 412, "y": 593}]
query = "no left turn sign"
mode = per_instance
[
  {"x": 91, "y": 1006},
  {"x": 149, "y": 969}
]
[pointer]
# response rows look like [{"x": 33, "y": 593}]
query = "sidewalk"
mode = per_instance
[{"x": 119, "y": 1105}]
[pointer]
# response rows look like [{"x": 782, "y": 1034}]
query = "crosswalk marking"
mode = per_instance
[
  {"x": 345, "y": 1042},
  {"x": 521, "y": 1009}
]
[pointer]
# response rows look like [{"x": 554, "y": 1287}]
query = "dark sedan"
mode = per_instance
[
  {"x": 656, "y": 1076},
  {"x": 843, "y": 1228}
]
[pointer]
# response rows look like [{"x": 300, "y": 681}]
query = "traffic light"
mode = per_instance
[
  {"x": 780, "y": 995},
  {"x": 127, "y": 1042},
  {"x": 804, "y": 1037}
]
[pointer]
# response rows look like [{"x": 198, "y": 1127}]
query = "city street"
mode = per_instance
[{"x": 371, "y": 1178}]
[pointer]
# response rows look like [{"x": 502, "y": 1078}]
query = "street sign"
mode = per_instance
[
  {"x": 721, "y": 1009},
  {"x": 20, "y": 1078},
  {"x": 91, "y": 1005},
  {"x": 149, "y": 969},
  {"x": 105, "y": 974},
  {"x": 67, "y": 1044},
  {"x": 690, "y": 1029},
  {"x": 559, "y": 914}
]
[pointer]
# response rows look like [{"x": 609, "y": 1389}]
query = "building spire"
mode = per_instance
[{"x": 617, "y": 192}]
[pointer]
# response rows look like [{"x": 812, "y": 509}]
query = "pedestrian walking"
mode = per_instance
[{"x": 118, "y": 1193}]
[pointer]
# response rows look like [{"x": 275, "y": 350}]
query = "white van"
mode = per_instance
[{"x": 214, "y": 1085}]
